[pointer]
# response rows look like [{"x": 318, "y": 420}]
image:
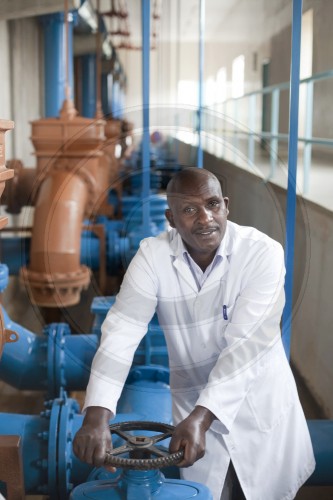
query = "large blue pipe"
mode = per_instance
[
  {"x": 55, "y": 60},
  {"x": 88, "y": 65},
  {"x": 59, "y": 360},
  {"x": 47, "y": 362}
]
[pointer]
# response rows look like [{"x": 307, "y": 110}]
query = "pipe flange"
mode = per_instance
[
  {"x": 56, "y": 379},
  {"x": 60, "y": 444},
  {"x": 69, "y": 408},
  {"x": 58, "y": 289}
]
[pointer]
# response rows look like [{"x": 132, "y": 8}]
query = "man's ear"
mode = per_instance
[{"x": 169, "y": 216}]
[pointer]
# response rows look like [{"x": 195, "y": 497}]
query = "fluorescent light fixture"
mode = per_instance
[{"x": 88, "y": 14}]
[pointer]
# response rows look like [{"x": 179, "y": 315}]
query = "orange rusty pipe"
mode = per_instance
[
  {"x": 68, "y": 153},
  {"x": 20, "y": 191},
  {"x": 55, "y": 276}
]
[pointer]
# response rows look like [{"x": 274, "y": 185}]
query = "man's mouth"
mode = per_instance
[{"x": 206, "y": 232}]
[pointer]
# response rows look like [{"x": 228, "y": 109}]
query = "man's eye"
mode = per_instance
[
  {"x": 214, "y": 203},
  {"x": 189, "y": 210}
]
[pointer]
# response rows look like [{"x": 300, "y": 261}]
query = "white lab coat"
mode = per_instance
[{"x": 225, "y": 354}]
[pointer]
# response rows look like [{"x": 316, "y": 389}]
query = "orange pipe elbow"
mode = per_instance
[{"x": 55, "y": 277}]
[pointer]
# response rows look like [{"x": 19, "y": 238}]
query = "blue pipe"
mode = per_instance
[
  {"x": 69, "y": 358},
  {"x": 147, "y": 391},
  {"x": 47, "y": 362},
  {"x": 49, "y": 466},
  {"x": 321, "y": 432},
  {"x": 107, "y": 93},
  {"x": 138, "y": 484},
  {"x": 201, "y": 70},
  {"x": 25, "y": 365},
  {"x": 292, "y": 172},
  {"x": 55, "y": 61},
  {"x": 152, "y": 349},
  {"x": 145, "y": 6},
  {"x": 88, "y": 75},
  {"x": 58, "y": 360},
  {"x": 4, "y": 274}
]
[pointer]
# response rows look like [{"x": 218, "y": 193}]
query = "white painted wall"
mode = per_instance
[
  {"x": 5, "y": 93},
  {"x": 25, "y": 83},
  {"x": 20, "y": 98}
]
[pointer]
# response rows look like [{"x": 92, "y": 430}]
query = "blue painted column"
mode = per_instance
[
  {"x": 145, "y": 5},
  {"x": 292, "y": 171},
  {"x": 107, "y": 93},
  {"x": 55, "y": 60},
  {"x": 88, "y": 75},
  {"x": 201, "y": 69}
]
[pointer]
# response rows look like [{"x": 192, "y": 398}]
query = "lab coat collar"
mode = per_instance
[{"x": 177, "y": 250}]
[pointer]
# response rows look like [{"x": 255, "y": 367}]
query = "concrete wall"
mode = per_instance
[
  {"x": 27, "y": 91},
  {"x": 21, "y": 91},
  {"x": 262, "y": 205},
  {"x": 5, "y": 94}
]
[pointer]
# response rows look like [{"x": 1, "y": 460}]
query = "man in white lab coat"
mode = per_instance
[{"x": 218, "y": 290}]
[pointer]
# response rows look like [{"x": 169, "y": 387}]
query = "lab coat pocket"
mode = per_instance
[
  {"x": 223, "y": 322},
  {"x": 271, "y": 397}
]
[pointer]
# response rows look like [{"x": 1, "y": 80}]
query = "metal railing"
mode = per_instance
[{"x": 230, "y": 113}]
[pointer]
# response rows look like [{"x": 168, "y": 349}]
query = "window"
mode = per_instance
[
  {"x": 210, "y": 92},
  {"x": 237, "y": 82},
  {"x": 305, "y": 66},
  {"x": 188, "y": 93},
  {"x": 221, "y": 85}
]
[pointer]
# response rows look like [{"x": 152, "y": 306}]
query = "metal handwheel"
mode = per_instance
[{"x": 141, "y": 448}]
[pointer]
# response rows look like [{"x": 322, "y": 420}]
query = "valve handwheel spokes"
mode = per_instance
[{"x": 138, "y": 446}]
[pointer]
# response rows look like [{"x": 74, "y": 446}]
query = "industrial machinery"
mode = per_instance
[
  {"x": 140, "y": 457},
  {"x": 48, "y": 465},
  {"x": 57, "y": 359}
]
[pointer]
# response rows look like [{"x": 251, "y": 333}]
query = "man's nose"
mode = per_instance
[{"x": 204, "y": 215}]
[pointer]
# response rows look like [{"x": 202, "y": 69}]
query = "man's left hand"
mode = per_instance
[{"x": 190, "y": 435}]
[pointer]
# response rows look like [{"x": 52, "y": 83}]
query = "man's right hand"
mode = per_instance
[{"x": 93, "y": 440}]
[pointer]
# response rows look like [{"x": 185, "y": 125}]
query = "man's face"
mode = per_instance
[{"x": 199, "y": 213}]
